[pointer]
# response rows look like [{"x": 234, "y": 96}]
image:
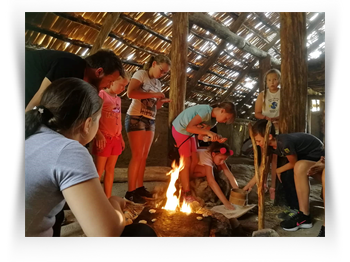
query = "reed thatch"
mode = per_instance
[{"x": 137, "y": 35}]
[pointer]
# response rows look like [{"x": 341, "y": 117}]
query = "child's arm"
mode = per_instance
[
  {"x": 229, "y": 175},
  {"x": 100, "y": 140},
  {"x": 250, "y": 184},
  {"x": 135, "y": 91},
  {"x": 215, "y": 187},
  {"x": 292, "y": 160},
  {"x": 258, "y": 107},
  {"x": 193, "y": 128}
]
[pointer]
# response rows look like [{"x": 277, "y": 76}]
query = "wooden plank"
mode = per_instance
[{"x": 108, "y": 26}]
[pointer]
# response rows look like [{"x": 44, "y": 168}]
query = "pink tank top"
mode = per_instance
[{"x": 110, "y": 121}]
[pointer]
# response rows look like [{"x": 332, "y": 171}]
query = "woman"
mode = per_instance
[{"x": 59, "y": 168}]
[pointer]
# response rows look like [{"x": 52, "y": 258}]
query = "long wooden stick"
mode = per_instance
[
  {"x": 263, "y": 173},
  {"x": 256, "y": 164}
]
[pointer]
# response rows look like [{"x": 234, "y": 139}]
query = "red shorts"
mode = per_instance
[
  {"x": 113, "y": 147},
  {"x": 188, "y": 147}
]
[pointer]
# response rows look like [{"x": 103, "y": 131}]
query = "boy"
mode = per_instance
[{"x": 302, "y": 151}]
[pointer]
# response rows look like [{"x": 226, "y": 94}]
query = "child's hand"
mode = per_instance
[
  {"x": 222, "y": 140},
  {"x": 100, "y": 141},
  {"x": 165, "y": 100},
  {"x": 229, "y": 206},
  {"x": 214, "y": 137},
  {"x": 159, "y": 95},
  {"x": 123, "y": 144}
]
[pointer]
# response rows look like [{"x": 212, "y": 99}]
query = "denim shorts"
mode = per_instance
[{"x": 139, "y": 123}]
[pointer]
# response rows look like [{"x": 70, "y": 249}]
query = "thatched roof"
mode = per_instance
[{"x": 138, "y": 35}]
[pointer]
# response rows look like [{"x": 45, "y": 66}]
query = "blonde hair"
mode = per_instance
[
  {"x": 159, "y": 59},
  {"x": 271, "y": 71}
]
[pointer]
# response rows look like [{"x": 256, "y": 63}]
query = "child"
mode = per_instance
[
  {"x": 302, "y": 151},
  {"x": 145, "y": 91},
  {"x": 216, "y": 154},
  {"x": 267, "y": 105},
  {"x": 186, "y": 124},
  {"x": 59, "y": 168},
  {"x": 109, "y": 142}
]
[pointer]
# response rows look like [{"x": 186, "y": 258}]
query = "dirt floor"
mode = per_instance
[{"x": 242, "y": 169}]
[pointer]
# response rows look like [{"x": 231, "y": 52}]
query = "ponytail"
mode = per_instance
[
  {"x": 229, "y": 107},
  {"x": 158, "y": 58},
  {"x": 36, "y": 117}
]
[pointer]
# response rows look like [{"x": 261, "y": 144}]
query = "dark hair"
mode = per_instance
[
  {"x": 271, "y": 71},
  {"x": 229, "y": 107},
  {"x": 159, "y": 59},
  {"x": 216, "y": 146},
  {"x": 65, "y": 104},
  {"x": 260, "y": 126},
  {"x": 106, "y": 59}
]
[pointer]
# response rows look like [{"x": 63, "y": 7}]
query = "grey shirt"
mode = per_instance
[{"x": 52, "y": 164}]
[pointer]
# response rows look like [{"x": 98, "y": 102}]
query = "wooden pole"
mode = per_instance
[
  {"x": 108, "y": 25},
  {"x": 264, "y": 167},
  {"x": 293, "y": 72},
  {"x": 255, "y": 149},
  {"x": 178, "y": 75}
]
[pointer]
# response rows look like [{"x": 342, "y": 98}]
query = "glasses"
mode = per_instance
[{"x": 162, "y": 71}]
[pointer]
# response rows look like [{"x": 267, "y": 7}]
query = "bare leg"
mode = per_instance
[
  {"x": 302, "y": 184},
  {"x": 109, "y": 175},
  {"x": 100, "y": 163},
  {"x": 147, "y": 142},
  {"x": 136, "y": 141},
  {"x": 185, "y": 174},
  {"x": 199, "y": 171}
]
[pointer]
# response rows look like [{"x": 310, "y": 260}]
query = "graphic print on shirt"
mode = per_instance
[
  {"x": 148, "y": 105},
  {"x": 114, "y": 113},
  {"x": 273, "y": 103}
]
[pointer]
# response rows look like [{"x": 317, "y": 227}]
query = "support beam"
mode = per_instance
[
  {"x": 211, "y": 60},
  {"x": 206, "y": 22},
  {"x": 294, "y": 72},
  {"x": 108, "y": 25}
]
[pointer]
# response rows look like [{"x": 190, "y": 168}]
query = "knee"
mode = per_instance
[{"x": 300, "y": 168}]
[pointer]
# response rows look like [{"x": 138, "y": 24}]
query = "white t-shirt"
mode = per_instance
[
  {"x": 205, "y": 158},
  {"x": 145, "y": 107},
  {"x": 272, "y": 104}
]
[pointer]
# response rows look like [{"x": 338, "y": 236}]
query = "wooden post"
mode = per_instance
[
  {"x": 261, "y": 173},
  {"x": 293, "y": 72},
  {"x": 108, "y": 25},
  {"x": 178, "y": 75},
  {"x": 179, "y": 65},
  {"x": 264, "y": 66}
]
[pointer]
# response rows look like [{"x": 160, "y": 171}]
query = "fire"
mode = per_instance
[{"x": 173, "y": 203}]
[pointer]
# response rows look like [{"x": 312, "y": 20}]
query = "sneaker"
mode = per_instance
[
  {"x": 322, "y": 232},
  {"x": 296, "y": 221},
  {"x": 134, "y": 197},
  {"x": 142, "y": 191},
  {"x": 286, "y": 214}
]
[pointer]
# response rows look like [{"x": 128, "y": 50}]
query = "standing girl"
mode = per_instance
[
  {"x": 215, "y": 155},
  {"x": 267, "y": 106},
  {"x": 145, "y": 91},
  {"x": 186, "y": 124},
  {"x": 109, "y": 142}
]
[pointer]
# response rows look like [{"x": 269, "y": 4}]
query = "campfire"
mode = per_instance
[{"x": 173, "y": 202}]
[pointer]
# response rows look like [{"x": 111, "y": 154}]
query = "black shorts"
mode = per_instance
[{"x": 139, "y": 123}]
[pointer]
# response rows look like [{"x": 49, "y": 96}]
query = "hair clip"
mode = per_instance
[
  {"x": 41, "y": 110},
  {"x": 223, "y": 151}
]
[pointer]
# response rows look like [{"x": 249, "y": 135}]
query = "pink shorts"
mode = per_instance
[
  {"x": 113, "y": 147},
  {"x": 188, "y": 147}
]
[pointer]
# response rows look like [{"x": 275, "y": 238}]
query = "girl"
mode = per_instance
[
  {"x": 109, "y": 142},
  {"x": 197, "y": 120},
  {"x": 145, "y": 91},
  {"x": 58, "y": 167},
  {"x": 267, "y": 106},
  {"x": 216, "y": 155}
]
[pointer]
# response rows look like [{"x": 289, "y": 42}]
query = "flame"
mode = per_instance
[{"x": 173, "y": 202}]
